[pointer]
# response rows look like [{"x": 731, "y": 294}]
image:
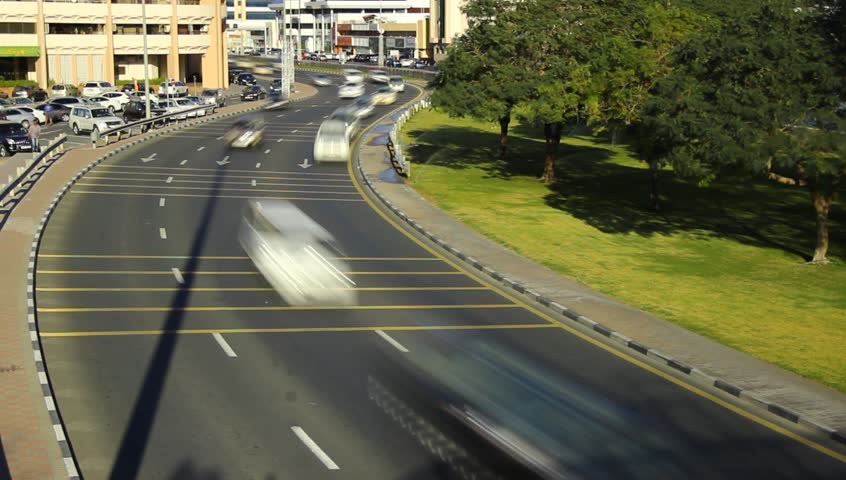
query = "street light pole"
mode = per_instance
[
  {"x": 284, "y": 55},
  {"x": 146, "y": 63},
  {"x": 381, "y": 38}
]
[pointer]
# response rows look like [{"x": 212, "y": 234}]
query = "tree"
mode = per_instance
[
  {"x": 766, "y": 100},
  {"x": 482, "y": 77}
]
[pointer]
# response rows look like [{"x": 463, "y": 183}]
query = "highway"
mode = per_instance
[{"x": 146, "y": 244}]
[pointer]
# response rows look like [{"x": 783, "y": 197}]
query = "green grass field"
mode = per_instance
[{"x": 726, "y": 261}]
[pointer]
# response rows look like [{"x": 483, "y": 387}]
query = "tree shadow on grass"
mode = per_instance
[
  {"x": 615, "y": 199},
  {"x": 460, "y": 147}
]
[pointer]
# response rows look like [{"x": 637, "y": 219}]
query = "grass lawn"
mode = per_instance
[{"x": 726, "y": 261}]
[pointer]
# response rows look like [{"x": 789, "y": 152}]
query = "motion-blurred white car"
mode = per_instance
[
  {"x": 397, "y": 84},
  {"x": 364, "y": 106},
  {"x": 113, "y": 103},
  {"x": 351, "y": 90},
  {"x": 332, "y": 143},
  {"x": 384, "y": 96},
  {"x": 292, "y": 252},
  {"x": 353, "y": 75},
  {"x": 321, "y": 80},
  {"x": 378, "y": 76}
]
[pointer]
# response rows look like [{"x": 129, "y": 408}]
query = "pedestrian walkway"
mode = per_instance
[
  {"x": 751, "y": 379},
  {"x": 29, "y": 449}
]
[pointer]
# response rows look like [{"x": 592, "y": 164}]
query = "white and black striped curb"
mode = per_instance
[
  {"x": 43, "y": 377},
  {"x": 568, "y": 314}
]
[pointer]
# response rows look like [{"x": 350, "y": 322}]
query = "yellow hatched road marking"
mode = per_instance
[
  {"x": 225, "y": 331},
  {"x": 277, "y": 172},
  {"x": 279, "y": 308},
  {"x": 149, "y": 186},
  {"x": 253, "y": 289},
  {"x": 258, "y": 197},
  {"x": 209, "y": 272},
  {"x": 227, "y": 257},
  {"x": 135, "y": 174}
]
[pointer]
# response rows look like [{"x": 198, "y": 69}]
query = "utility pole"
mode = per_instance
[
  {"x": 146, "y": 63},
  {"x": 284, "y": 55}
]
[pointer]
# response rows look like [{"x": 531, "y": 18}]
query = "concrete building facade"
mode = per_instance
[
  {"x": 74, "y": 41},
  {"x": 447, "y": 21}
]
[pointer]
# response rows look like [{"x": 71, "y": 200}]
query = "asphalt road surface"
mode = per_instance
[{"x": 254, "y": 389}]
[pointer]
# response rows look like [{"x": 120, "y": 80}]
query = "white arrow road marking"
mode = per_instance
[
  {"x": 224, "y": 345},
  {"x": 169, "y": 180},
  {"x": 183, "y": 162},
  {"x": 163, "y": 233},
  {"x": 267, "y": 151},
  {"x": 390, "y": 340},
  {"x": 200, "y": 149},
  {"x": 253, "y": 183},
  {"x": 280, "y": 116},
  {"x": 325, "y": 116},
  {"x": 315, "y": 449},
  {"x": 258, "y": 205},
  {"x": 162, "y": 202},
  {"x": 219, "y": 138},
  {"x": 311, "y": 123},
  {"x": 293, "y": 131},
  {"x": 258, "y": 165},
  {"x": 279, "y": 141},
  {"x": 224, "y": 161},
  {"x": 179, "y": 278},
  {"x": 305, "y": 163},
  {"x": 300, "y": 110},
  {"x": 148, "y": 159}
]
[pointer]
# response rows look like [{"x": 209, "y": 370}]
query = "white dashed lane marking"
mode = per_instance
[
  {"x": 162, "y": 202},
  {"x": 163, "y": 233},
  {"x": 224, "y": 345},
  {"x": 315, "y": 449},
  {"x": 200, "y": 149},
  {"x": 178, "y": 275}
]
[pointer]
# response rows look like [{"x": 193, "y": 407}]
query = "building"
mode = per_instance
[
  {"x": 73, "y": 41},
  {"x": 447, "y": 21},
  {"x": 315, "y": 23}
]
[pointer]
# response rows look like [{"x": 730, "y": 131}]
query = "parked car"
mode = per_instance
[
  {"x": 351, "y": 90},
  {"x": 130, "y": 87},
  {"x": 92, "y": 118},
  {"x": 18, "y": 116},
  {"x": 135, "y": 111},
  {"x": 397, "y": 84},
  {"x": 97, "y": 88},
  {"x": 29, "y": 91},
  {"x": 214, "y": 96},
  {"x": 246, "y": 78},
  {"x": 254, "y": 92},
  {"x": 173, "y": 88},
  {"x": 119, "y": 97},
  {"x": 406, "y": 62},
  {"x": 233, "y": 74},
  {"x": 13, "y": 139},
  {"x": 180, "y": 108},
  {"x": 384, "y": 96},
  {"x": 195, "y": 101},
  {"x": 112, "y": 104},
  {"x": 64, "y": 90},
  {"x": 21, "y": 101},
  {"x": 378, "y": 76},
  {"x": 38, "y": 114},
  {"x": 276, "y": 86},
  {"x": 55, "y": 112},
  {"x": 69, "y": 101},
  {"x": 5, "y": 102},
  {"x": 140, "y": 96},
  {"x": 421, "y": 64}
]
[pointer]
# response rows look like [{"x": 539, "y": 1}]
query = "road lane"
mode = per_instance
[{"x": 331, "y": 357}]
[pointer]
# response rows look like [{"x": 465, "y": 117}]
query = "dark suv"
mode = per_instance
[
  {"x": 13, "y": 139},
  {"x": 246, "y": 78},
  {"x": 35, "y": 93},
  {"x": 134, "y": 111}
]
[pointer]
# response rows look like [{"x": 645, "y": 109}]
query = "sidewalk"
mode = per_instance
[
  {"x": 705, "y": 361},
  {"x": 32, "y": 445}
]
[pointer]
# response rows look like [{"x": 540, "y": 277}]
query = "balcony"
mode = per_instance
[
  {"x": 63, "y": 12},
  {"x": 131, "y": 13},
  {"x": 75, "y": 43},
  {"x": 134, "y": 44},
  {"x": 194, "y": 43},
  {"x": 195, "y": 13},
  {"x": 18, "y": 12}
]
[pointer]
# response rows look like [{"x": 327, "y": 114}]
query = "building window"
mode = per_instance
[
  {"x": 75, "y": 28},
  {"x": 138, "y": 29},
  {"x": 261, "y": 15},
  {"x": 192, "y": 29},
  {"x": 6, "y": 27}
]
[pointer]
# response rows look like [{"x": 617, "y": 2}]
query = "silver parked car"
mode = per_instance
[{"x": 18, "y": 116}]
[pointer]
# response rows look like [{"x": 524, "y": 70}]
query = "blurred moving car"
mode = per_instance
[
  {"x": 97, "y": 88},
  {"x": 352, "y": 75},
  {"x": 378, "y": 76},
  {"x": 332, "y": 143},
  {"x": 363, "y": 107},
  {"x": 33, "y": 92},
  {"x": 384, "y": 96},
  {"x": 253, "y": 92},
  {"x": 397, "y": 84},
  {"x": 13, "y": 139},
  {"x": 246, "y": 132},
  {"x": 292, "y": 252},
  {"x": 351, "y": 90},
  {"x": 276, "y": 86},
  {"x": 92, "y": 118},
  {"x": 55, "y": 112},
  {"x": 214, "y": 96},
  {"x": 321, "y": 80},
  {"x": 347, "y": 115},
  {"x": 18, "y": 116}
]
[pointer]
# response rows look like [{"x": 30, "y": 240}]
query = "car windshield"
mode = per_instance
[
  {"x": 11, "y": 129},
  {"x": 209, "y": 93},
  {"x": 58, "y": 87},
  {"x": 184, "y": 102},
  {"x": 100, "y": 112}
]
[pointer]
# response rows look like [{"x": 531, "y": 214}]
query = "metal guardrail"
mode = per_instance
[
  {"x": 395, "y": 154},
  {"x": 26, "y": 175},
  {"x": 144, "y": 125}
]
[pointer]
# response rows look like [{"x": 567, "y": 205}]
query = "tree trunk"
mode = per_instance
[
  {"x": 654, "y": 195},
  {"x": 822, "y": 200},
  {"x": 503, "y": 135},
  {"x": 552, "y": 135}
]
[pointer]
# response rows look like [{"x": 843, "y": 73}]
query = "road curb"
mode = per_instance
[
  {"x": 571, "y": 316},
  {"x": 32, "y": 319}
]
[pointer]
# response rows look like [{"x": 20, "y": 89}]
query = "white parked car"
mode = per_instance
[
  {"x": 113, "y": 103},
  {"x": 173, "y": 106},
  {"x": 18, "y": 116},
  {"x": 173, "y": 89},
  {"x": 193, "y": 102},
  {"x": 351, "y": 90},
  {"x": 119, "y": 97},
  {"x": 397, "y": 84},
  {"x": 70, "y": 101},
  {"x": 38, "y": 114},
  {"x": 378, "y": 76},
  {"x": 406, "y": 62},
  {"x": 139, "y": 97},
  {"x": 89, "y": 119},
  {"x": 97, "y": 88}
]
